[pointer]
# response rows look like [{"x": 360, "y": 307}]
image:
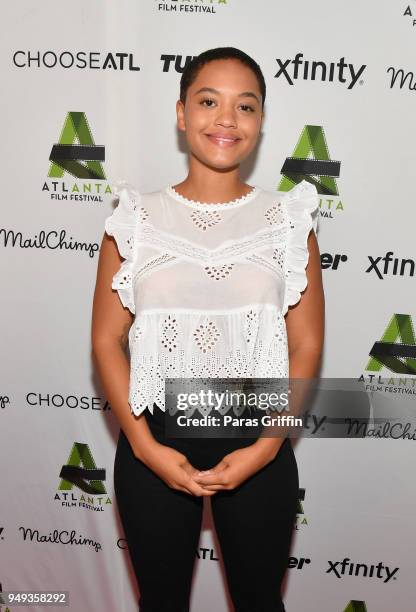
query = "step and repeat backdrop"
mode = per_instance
[{"x": 88, "y": 99}]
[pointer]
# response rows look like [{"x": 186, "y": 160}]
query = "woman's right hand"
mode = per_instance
[{"x": 173, "y": 468}]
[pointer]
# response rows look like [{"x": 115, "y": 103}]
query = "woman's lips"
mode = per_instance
[{"x": 223, "y": 141}]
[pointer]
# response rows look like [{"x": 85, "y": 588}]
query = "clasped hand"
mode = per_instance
[{"x": 233, "y": 469}]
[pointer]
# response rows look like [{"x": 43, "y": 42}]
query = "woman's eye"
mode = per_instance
[
  {"x": 245, "y": 107},
  {"x": 250, "y": 108},
  {"x": 206, "y": 100}
]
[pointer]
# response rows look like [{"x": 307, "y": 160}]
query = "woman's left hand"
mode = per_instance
[{"x": 234, "y": 468}]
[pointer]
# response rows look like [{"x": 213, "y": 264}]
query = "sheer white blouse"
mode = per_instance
[{"x": 209, "y": 284}]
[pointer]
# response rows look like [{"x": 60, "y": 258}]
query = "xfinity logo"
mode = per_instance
[
  {"x": 293, "y": 69},
  {"x": 347, "y": 567},
  {"x": 382, "y": 266}
]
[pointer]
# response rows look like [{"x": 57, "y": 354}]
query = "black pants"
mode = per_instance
[{"x": 254, "y": 524}]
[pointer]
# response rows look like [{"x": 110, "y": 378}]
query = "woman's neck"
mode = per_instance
[{"x": 213, "y": 186}]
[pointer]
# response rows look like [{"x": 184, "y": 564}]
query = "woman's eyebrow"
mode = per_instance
[{"x": 245, "y": 94}]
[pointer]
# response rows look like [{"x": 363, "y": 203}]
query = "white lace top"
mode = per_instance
[{"x": 209, "y": 284}]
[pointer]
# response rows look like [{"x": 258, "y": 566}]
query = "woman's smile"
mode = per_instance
[{"x": 223, "y": 140}]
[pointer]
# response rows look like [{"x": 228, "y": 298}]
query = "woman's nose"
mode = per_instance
[{"x": 226, "y": 117}]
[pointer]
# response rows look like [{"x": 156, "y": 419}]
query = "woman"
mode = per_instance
[{"x": 210, "y": 277}]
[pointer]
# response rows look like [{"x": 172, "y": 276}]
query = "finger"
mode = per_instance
[
  {"x": 183, "y": 483},
  {"x": 203, "y": 491},
  {"x": 204, "y": 476},
  {"x": 185, "y": 489},
  {"x": 222, "y": 465},
  {"x": 215, "y": 487},
  {"x": 211, "y": 476},
  {"x": 211, "y": 479},
  {"x": 195, "y": 488},
  {"x": 207, "y": 493}
]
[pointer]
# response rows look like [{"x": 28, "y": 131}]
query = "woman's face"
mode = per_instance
[{"x": 222, "y": 115}]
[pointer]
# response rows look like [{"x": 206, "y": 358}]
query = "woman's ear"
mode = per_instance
[{"x": 180, "y": 115}]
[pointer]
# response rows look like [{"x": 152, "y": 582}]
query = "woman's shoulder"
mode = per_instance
[
  {"x": 302, "y": 190},
  {"x": 131, "y": 199},
  {"x": 299, "y": 202}
]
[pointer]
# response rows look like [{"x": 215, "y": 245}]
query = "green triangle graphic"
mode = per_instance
[
  {"x": 76, "y": 133},
  {"x": 311, "y": 145},
  {"x": 396, "y": 350},
  {"x": 81, "y": 457}
]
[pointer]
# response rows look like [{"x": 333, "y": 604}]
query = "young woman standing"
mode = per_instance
[{"x": 208, "y": 278}]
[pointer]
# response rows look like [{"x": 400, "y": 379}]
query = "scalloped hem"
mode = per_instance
[{"x": 138, "y": 410}]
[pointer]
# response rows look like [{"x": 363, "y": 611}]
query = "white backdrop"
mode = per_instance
[{"x": 357, "y": 501}]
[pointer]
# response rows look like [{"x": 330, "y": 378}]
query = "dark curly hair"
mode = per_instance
[{"x": 194, "y": 66}]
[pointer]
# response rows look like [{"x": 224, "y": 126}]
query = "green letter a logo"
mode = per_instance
[
  {"x": 87, "y": 478},
  {"x": 67, "y": 155},
  {"x": 398, "y": 357},
  {"x": 311, "y": 158}
]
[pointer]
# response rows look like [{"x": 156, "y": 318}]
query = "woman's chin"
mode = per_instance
[{"x": 219, "y": 162}]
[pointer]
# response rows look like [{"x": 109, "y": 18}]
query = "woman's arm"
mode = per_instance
[
  {"x": 305, "y": 331},
  {"x": 305, "y": 334},
  {"x": 110, "y": 327},
  {"x": 305, "y": 320}
]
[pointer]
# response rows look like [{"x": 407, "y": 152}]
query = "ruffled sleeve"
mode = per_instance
[
  {"x": 302, "y": 209},
  {"x": 122, "y": 225}
]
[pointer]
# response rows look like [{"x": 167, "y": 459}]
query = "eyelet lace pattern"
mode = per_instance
[
  {"x": 206, "y": 206},
  {"x": 245, "y": 341},
  {"x": 260, "y": 352},
  {"x": 205, "y": 219},
  {"x": 148, "y": 235},
  {"x": 219, "y": 272}
]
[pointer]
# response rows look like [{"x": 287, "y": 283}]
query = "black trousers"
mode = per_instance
[{"x": 254, "y": 524}]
